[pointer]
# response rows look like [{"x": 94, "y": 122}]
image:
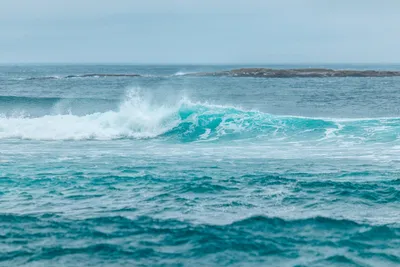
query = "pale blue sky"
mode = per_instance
[{"x": 203, "y": 31}]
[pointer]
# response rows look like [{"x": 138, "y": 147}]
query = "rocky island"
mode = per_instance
[{"x": 292, "y": 73}]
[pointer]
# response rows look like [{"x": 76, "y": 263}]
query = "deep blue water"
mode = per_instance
[{"x": 171, "y": 170}]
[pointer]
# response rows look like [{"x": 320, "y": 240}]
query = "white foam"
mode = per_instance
[
  {"x": 206, "y": 134},
  {"x": 136, "y": 118},
  {"x": 180, "y": 73}
]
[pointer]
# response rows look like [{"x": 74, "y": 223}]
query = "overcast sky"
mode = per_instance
[{"x": 200, "y": 31}]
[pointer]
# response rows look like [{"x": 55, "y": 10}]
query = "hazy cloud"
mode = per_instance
[{"x": 178, "y": 31}]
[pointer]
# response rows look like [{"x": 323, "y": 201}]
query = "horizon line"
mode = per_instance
[{"x": 198, "y": 64}]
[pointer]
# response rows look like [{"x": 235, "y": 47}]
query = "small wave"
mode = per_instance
[
  {"x": 254, "y": 238},
  {"x": 26, "y": 99},
  {"x": 180, "y": 73},
  {"x": 31, "y": 107},
  {"x": 188, "y": 121},
  {"x": 86, "y": 75},
  {"x": 41, "y": 101},
  {"x": 42, "y": 78},
  {"x": 100, "y": 75},
  {"x": 253, "y": 222}
]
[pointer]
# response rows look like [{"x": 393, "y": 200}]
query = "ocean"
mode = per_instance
[{"x": 168, "y": 169}]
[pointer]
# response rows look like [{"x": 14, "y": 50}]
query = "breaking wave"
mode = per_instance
[{"x": 137, "y": 118}]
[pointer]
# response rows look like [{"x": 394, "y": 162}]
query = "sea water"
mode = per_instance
[{"x": 168, "y": 169}]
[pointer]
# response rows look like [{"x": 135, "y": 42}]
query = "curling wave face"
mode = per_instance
[{"x": 186, "y": 121}]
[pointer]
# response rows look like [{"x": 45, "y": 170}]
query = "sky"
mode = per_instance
[{"x": 199, "y": 31}]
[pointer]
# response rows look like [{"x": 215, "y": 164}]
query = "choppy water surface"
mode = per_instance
[{"x": 167, "y": 169}]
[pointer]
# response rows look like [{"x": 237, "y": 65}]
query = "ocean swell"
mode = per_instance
[{"x": 99, "y": 239}]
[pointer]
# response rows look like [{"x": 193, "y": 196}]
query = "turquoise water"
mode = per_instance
[{"x": 171, "y": 170}]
